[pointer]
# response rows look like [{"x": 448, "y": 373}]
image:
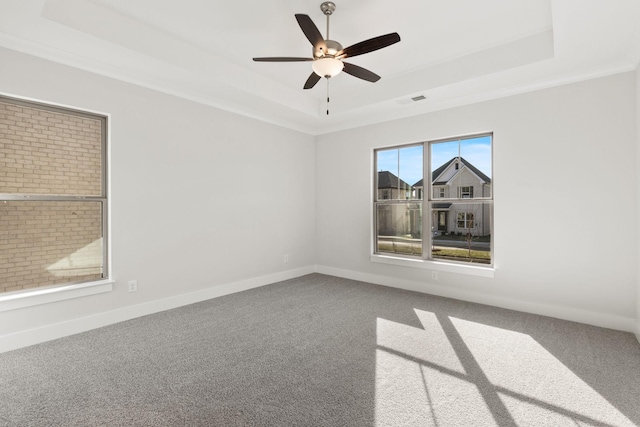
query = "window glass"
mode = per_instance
[
  {"x": 52, "y": 242},
  {"x": 49, "y": 152},
  {"x": 399, "y": 170},
  {"x": 53, "y": 203},
  {"x": 468, "y": 238},
  {"x": 399, "y": 228},
  {"x": 476, "y": 155}
]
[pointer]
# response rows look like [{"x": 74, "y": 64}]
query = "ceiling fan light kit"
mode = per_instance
[
  {"x": 328, "y": 55},
  {"x": 327, "y": 67}
]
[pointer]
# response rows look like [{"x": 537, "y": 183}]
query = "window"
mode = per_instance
[
  {"x": 399, "y": 218},
  {"x": 53, "y": 196},
  {"x": 465, "y": 219},
  {"x": 458, "y": 226},
  {"x": 465, "y": 192}
]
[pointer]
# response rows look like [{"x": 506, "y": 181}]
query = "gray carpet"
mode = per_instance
[{"x": 324, "y": 351}]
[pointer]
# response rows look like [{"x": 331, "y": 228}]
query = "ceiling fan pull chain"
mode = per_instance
[{"x": 327, "y": 96}]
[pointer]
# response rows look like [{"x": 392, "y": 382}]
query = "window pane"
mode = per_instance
[
  {"x": 476, "y": 155},
  {"x": 411, "y": 165},
  {"x": 400, "y": 173},
  {"x": 50, "y": 242},
  {"x": 464, "y": 232},
  {"x": 399, "y": 228},
  {"x": 387, "y": 160},
  {"x": 443, "y": 165},
  {"x": 47, "y": 152},
  {"x": 463, "y": 166}
]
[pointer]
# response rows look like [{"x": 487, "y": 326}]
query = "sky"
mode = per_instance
[{"x": 406, "y": 162}]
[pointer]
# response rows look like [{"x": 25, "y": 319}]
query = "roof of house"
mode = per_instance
[
  {"x": 436, "y": 173},
  {"x": 388, "y": 180}
]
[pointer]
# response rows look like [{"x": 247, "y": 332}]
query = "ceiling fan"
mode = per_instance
[{"x": 328, "y": 54}]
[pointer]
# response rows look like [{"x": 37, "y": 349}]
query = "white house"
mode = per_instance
[{"x": 459, "y": 179}]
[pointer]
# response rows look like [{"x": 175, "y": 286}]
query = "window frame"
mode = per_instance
[
  {"x": 426, "y": 261},
  {"x": 72, "y": 289}
]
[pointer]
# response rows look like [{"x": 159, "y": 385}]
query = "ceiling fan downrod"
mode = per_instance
[{"x": 328, "y": 8}]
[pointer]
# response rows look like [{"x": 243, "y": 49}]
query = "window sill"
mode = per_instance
[
  {"x": 471, "y": 270},
  {"x": 29, "y": 298}
]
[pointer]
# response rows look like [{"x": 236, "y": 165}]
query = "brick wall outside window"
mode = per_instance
[{"x": 45, "y": 152}]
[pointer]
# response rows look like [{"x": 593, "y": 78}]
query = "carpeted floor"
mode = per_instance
[{"x": 324, "y": 351}]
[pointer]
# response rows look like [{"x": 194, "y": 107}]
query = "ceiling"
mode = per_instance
[{"x": 452, "y": 52}]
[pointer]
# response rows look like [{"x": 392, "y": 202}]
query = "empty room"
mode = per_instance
[{"x": 310, "y": 213}]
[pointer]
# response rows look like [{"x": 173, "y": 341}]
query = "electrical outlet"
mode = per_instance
[
  {"x": 133, "y": 285},
  {"x": 286, "y": 258},
  {"x": 434, "y": 275}
]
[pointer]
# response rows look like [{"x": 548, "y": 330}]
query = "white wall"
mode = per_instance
[
  {"x": 201, "y": 197},
  {"x": 560, "y": 248},
  {"x": 204, "y": 199},
  {"x": 638, "y": 198}
]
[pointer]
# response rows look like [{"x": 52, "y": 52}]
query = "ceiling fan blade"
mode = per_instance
[
  {"x": 311, "y": 31},
  {"x": 369, "y": 45},
  {"x": 282, "y": 59},
  {"x": 311, "y": 81},
  {"x": 361, "y": 73}
]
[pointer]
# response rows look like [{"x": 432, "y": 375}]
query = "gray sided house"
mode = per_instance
[
  {"x": 397, "y": 219},
  {"x": 392, "y": 187},
  {"x": 459, "y": 179}
]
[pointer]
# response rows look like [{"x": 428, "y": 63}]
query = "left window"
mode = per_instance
[{"x": 53, "y": 196}]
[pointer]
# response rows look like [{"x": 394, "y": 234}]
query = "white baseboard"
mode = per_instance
[
  {"x": 566, "y": 313},
  {"x": 83, "y": 324}
]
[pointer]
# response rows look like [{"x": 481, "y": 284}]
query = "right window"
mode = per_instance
[{"x": 459, "y": 225}]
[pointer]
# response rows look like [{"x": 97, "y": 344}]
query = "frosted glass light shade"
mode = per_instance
[{"x": 327, "y": 67}]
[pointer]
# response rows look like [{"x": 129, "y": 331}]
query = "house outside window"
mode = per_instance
[
  {"x": 53, "y": 196},
  {"x": 459, "y": 223}
]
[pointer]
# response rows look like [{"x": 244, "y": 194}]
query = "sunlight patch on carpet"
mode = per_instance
[
  {"x": 453, "y": 369},
  {"x": 532, "y": 382}
]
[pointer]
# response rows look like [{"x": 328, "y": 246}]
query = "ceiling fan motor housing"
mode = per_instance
[{"x": 332, "y": 46}]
